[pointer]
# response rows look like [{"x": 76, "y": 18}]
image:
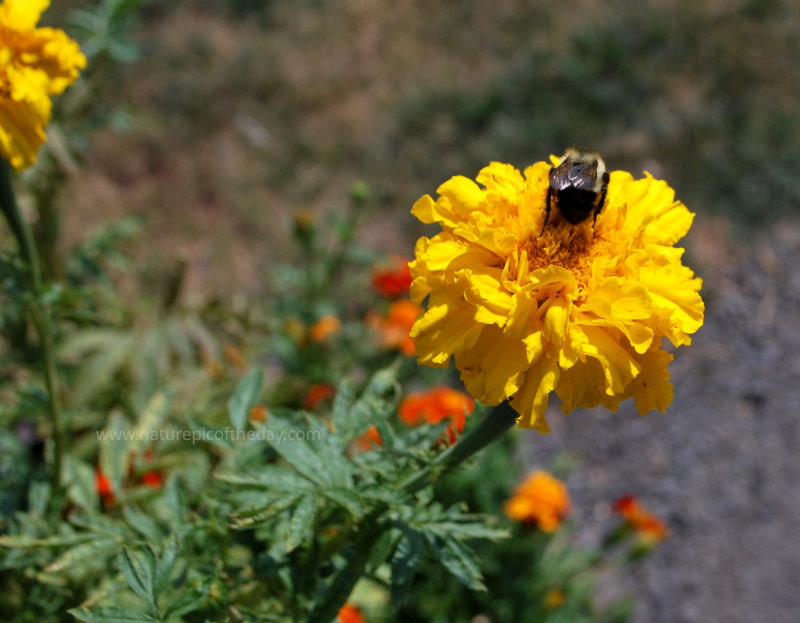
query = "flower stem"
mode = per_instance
[
  {"x": 22, "y": 232},
  {"x": 488, "y": 430}
]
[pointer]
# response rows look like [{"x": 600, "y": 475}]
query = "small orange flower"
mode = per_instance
[
  {"x": 234, "y": 357},
  {"x": 152, "y": 479},
  {"x": 316, "y": 394},
  {"x": 394, "y": 329},
  {"x": 648, "y": 526},
  {"x": 554, "y": 598},
  {"x": 258, "y": 413},
  {"x": 435, "y": 405},
  {"x": 541, "y": 499},
  {"x": 213, "y": 367},
  {"x": 104, "y": 488},
  {"x": 350, "y": 614},
  {"x": 368, "y": 440},
  {"x": 324, "y": 328},
  {"x": 393, "y": 282}
]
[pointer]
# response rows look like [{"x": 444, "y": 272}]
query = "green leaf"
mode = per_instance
[
  {"x": 255, "y": 516},
  {"x": 95, "y": 549},
  {"x": 342, "y": 402},
  {"x": 82, "y": 489},
  {"x": 166, "y": 564},
  {"x": 302, "y": 521},
  {"x": 244, "y": 398},
  {"x": 271, "y": 477},
  {"x": 142, "y": 524},
  {"x": 19, "y": 541},
  {"x": 346, "y": 498},
  {"x": 211, "y": 434},
  {"x": 460, "y": 561},
  {"x": 110, "y": 615},
  {"x": 138, "y": 569},
  {"x": 150, "y": 419},
  {"x": 189, "y": 601},
  {"x": 299, "y": 454},
  {"x": 114, "y": 452},
  {"x": 405, "y": 562}
]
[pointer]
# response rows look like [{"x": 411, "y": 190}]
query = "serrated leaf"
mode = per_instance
[
  {"x": 255, "y": 516},
  {"x": 82, "y": 489},
  {"x": 142, "y": 524},
  {"x": 19, "y": 541},
  {"x": 299, "y": 454},
  {"x": 166, "y": 564},
  {"x": 460, "y": 561},
  {"x": 405, "y": 562},
  {"x": 271, "y": 477},
  {"x": 138, "y": 569},
  {"x": 467, "y": 530},
  {"x": 114, "y": 452},
  {"x": 101, "y": 524},
  {"x": 189, "y": 601},
  {"x": 302, "y": 521},
  {"x": 110, "y": 615},
  {"x": 244, "y": 398},
  {"x": 97, "y": 548},
  {"x": 346, "y": 498},
  {"x": 342, "y": 401},
  {"x": 150, "y": 419},
  {"x": 214, "y": 435}
]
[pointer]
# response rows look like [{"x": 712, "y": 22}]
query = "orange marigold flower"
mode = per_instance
[
  {"x": 316, "y": 394},
  {"x": 436, "y": 405},
  {"x": 395, "y": 327},
  {"x": 393, "y": 282},
  {"x": 368, "y": 440},
  {"x": 104, "y": 488},
  {"x": 350, "y": 614},
  {"x": 324, "y": 328},
  {"x": 152, "y": 479},
  {"x": 541, "y": 499},
  {"x": 258, "y": 413},
  {"x": 234, "y": 357},
  {"x": 648, "y": 526}
]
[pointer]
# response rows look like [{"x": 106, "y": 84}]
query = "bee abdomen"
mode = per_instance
[{"x": 575, "y": 204}]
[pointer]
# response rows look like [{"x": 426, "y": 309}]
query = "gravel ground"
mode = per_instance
[{"x": 721, "y": 466}]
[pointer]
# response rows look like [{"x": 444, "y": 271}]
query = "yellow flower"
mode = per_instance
[
  {"x": 35, "y": 64},
  {"x": 526, "y": 311},
  {"x": 541, "y": 499}
]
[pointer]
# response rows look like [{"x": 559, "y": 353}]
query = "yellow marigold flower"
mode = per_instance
[
  {"x": 35, "y": 64},
  {"x": 541, "y": 500},
  {"x": 578, "y": 311}
]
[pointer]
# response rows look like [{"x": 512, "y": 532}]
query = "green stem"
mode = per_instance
[
  {"x": 27, "y": 247},
  {"x": 487, "y": 431}
]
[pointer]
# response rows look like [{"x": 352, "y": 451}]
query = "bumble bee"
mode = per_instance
[{"x": 578, "y": 186}]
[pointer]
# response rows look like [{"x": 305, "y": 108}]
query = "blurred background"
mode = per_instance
[{"x": 228, "y": 117}]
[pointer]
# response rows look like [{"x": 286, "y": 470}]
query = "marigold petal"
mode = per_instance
[
  {"x": 651, "y": 389},
  {"x": 531, "y": 399},
  {"x": 491, "y": 370},
  {"x": 22, "y": 14},
  {"x": 445, "y": 328},
  {"x": 619, "y": 367}
]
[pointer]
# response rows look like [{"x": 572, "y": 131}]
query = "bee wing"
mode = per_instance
[{"x": 581, "y": 176}]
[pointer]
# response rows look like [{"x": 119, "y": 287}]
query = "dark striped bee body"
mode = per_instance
[{"x": 578, "y": 186}]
